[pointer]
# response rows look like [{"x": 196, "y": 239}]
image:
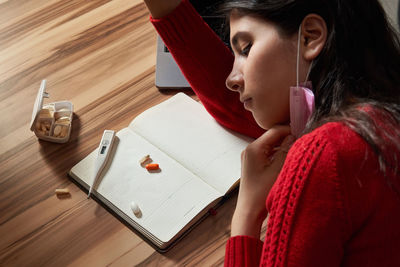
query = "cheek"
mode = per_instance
[
  {"x": 273, "y": 112},
  {"x": 257, "y": 72},
  {"x": 270, "y": 78}
]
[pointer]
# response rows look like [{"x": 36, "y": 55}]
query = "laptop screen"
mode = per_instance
[{"x": 168, "y": 74}]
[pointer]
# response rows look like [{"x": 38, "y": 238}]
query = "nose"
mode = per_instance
[{"x": 234, "y": 81}]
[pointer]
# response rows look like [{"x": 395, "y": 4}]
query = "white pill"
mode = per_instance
[
  {"x": 144, "y": 159},
  {"x": 63, "y": 120},
  {"x": 135, "y": 208},
  {"x": 57, "y": 130},
  {"x": 64, "y": 131}
]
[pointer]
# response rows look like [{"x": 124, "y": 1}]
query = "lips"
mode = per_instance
[
  {"x": 246, "y": 102},
  {"x": 244, "y": 99}
]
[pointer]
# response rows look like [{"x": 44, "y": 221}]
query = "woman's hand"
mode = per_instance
[
  {"x": 161, "y": 8},
  {"x": 262, "y": 161}
]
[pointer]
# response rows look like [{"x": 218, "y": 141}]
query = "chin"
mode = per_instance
[
  {"x": 263, "y": 124},
  {"x": 267, "y": 124}
]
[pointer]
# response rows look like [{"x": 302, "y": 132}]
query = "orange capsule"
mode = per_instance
[{"x": 152, "y": 166}]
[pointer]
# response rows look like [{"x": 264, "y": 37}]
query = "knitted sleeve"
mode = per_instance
[
  {"x": 243, "y": 251},
  {"x": 206, "y": 62},
  {"x": 307, "y": 222}
]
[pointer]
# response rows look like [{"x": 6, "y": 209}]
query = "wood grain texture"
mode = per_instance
[{"x": 100, "y": 55}]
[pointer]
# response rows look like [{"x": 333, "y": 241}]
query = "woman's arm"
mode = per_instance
[
  {"x": 161, "y": 8},
  {"x": 307, "y": 223},
  {"x": 206, "y": 62},
  {"x": 261, "y": 164}
]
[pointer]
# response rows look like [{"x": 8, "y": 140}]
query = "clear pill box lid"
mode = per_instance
[
  {"x": 38, "y": 103},
  {"x": 58, "y": 125}
]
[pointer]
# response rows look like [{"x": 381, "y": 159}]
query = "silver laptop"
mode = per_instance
[{"x": 168, "y": 74}]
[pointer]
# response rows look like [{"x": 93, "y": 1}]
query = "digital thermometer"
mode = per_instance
[{"x": 102, "y": 155}]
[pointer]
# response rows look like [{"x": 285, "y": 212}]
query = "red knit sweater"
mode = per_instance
[{"x": 330, "y": 205}]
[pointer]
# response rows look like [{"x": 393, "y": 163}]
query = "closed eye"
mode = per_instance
[{"x": 245, "y": 51}]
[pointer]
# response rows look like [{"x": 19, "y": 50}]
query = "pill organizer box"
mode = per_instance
[{"x": 51, "y": 122}]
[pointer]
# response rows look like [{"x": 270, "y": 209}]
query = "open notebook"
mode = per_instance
[{"x": 199, "y": 164}]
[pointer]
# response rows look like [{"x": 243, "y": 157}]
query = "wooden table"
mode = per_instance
[{"x": 100, "y": 55}]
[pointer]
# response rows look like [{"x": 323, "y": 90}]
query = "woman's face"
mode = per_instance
[{"x": 264, "y": 68}]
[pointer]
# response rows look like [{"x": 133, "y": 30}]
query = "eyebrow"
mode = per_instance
[{"x": 237, "y": 36}]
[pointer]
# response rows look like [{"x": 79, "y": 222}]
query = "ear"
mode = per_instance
[{"x": 313, "y": 36}]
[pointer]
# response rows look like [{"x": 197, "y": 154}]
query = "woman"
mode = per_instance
[{"x": 336, "y": 199}]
